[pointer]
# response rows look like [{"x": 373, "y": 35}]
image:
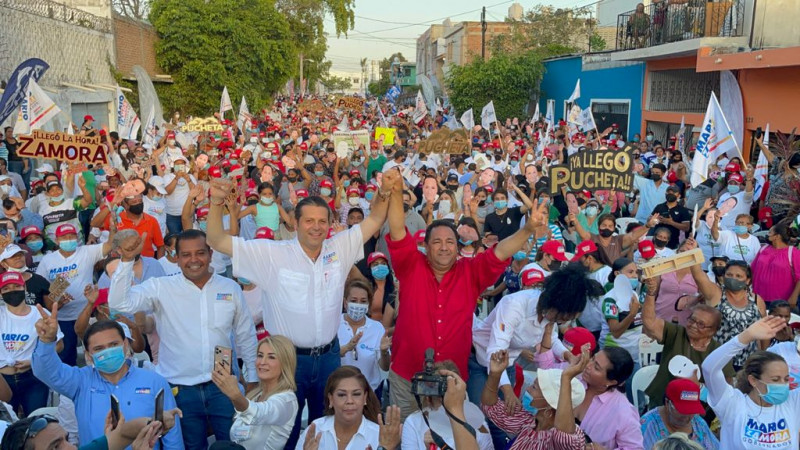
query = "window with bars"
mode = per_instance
[{"x": 681, "y": 90}]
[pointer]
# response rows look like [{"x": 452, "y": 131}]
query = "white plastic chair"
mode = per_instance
[
  {"x": 622, "y": 223},
  {"x": 641, "y": 380},
  {"x": 649, "y": 349}
]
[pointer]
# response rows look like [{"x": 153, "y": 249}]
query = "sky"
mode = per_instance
[{"x": 372, "y": 39}]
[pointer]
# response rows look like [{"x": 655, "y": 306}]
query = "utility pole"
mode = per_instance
[
  {"x": 483, "y": 33},
  {"x": 301, "y": 73}
]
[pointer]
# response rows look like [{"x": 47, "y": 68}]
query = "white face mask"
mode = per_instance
[
  {"x": 5, "y": 188},
  {"x": 171, "y": 142},
  {"x": 356, "y": 311},
  {"x": 444, "y": 206},
  {"x": 353, "y": 201},
  {"x": 20, "y": 270},
  {"x": 124, "y": 151},
  {"x": 254, "y": 140}
]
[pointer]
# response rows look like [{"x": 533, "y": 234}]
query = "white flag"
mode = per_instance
[
  {"x": 488, "y": 115},
  {"x": 128, "y": 122},
  {"x": 420, "y": 110},
  {"x": 681, "y": 135},
  {"x": 438, "y": 108},
  {"x": 468, "y": 120},
  {"x": 716, "y": 139},
  {"x": 149, "y": 131},
  {"x": 35, "y": 110},
  {"x": 550, "y": 114},
  {"x": 536, "y": 114},
  {"x": 762, "y": 168},
  {"x": 244, "y": 114},
  {"x": 587, "y": 120},
  {"x": 576, "y": 94},
  {"x": 225, "y": 103}
]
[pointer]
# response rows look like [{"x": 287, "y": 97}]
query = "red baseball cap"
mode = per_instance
[
  {"x": 202, "y": 211},
  {"x": 529, "y": 277},
  {"x": 66, "y": 229},
  {"x": 29, "y": 230},
  {"x": 554, "y": 249},
  {"x": 214, "y": 172},
  {"x": 419, "y": 236},
  {"x": 353, "y": 191},
  {"x": 11, "y": 278},
  {"x": 733, "y": 167},
  {"x": 326, "y": 184},
  {"x": 355, "y": 173},
  {"x": 302, "y": 193},
  {"x": 764, "y": 215},
  {"x": 576, "y": 338},
  {"x": 303, "y": 146},
  {"x": 737, "y": 177},
  {"x": 584, "y": 248},
  {"x": 376, "y": 255},
  {"x": 647, "y": 249},
  {"x": 685, "y": 396},
  {"x": 265, "y": 233},
  {"x": 372, "y": 187},
  {"x": 88, "y": 117}
]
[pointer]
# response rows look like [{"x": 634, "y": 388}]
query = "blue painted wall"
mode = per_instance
[{"x": 618, "y": 83}]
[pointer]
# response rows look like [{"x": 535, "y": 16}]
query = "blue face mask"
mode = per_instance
[
  {"x": 634, "y": 283},
  {"x": 35, "y": 245},
  {"x": 380, "y": 271},
  {"x": 463, "y": 242},
  {"x": 514, "y": 163},
  {"x": 319, "y": 173},
  {"x": 527, "y": 403},
  {"x": 500, "y": 204},
  {"x": 267, "y": 200},
  {"x": 57, "y": 199},
  {"x": 244, "y": 280},
  {"x": 740, "y": 229},
  {"x": 368, "y": 195},
  {"x": 69, "y": 245},
  {"x": 777, "y": 393},
  {"x": 202, "y": 225},
  {"x": 109, "y": 360},
  {"x": 346, "y": 183},
  {"x": 325, "y": 192},
  {"x": 734, "y": 188},
  {"x": 520, "y": 255},
  {"x": 612, "y": 136}
]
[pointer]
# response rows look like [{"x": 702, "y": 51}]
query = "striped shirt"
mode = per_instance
[{"x": 523, "y": 424}]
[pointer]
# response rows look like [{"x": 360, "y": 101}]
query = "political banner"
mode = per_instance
[
  {"x": 593, "y": 170},
  {"x": 587, "y": 120},
  {"x": 420, "y": 109},
  {"x": 35, "y": 110},
  {"x": 468, "y": 119},
  {"x": 347, "y": 141},
  {"x": 392, "y": 94},
  {"x": 225, "y": 102},
  {"x": 576, "y": 93},
  {"x": 244, "y": 114},
  {"x": 488, "y": 115},
  {"x": 128, "y": 122},
  {"x": 574, "y": 116},
  {"x": 149, "y": 132},
  {"x": 199, "y": 124},
  {"x": 762, "y": 168},
  {"x": 445, "y": 140},
  {"x": 314, "y": 105},
  {"x": 62, "y": 147},
  {"x": 17, "y": 87},
  {"x": 388, "y": 135},
  {"x": 716, "y": 138},
  {"x": 351, "y": 102}
]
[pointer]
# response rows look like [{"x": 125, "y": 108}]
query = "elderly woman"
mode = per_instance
[
  {"x": 681, "y": 412},
  {"x": 776, "y": 267}
]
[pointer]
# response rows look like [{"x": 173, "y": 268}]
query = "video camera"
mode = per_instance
[{"x": 428, "y": 383}]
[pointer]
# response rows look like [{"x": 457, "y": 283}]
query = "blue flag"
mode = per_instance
[{"x": 17, "y": 85}]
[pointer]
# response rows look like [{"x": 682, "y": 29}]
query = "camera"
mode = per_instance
[{"x": 428, "y": 383}]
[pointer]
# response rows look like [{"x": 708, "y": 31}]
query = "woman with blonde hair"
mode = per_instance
[{"x": 265, "y": 417}]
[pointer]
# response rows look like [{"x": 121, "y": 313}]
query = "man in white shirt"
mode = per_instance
[
  {"x": 303, "y": 282},
  {"x": 177, "y": 184},
  {"x": 76, "y": 265},
  {"x": 737, "y": 243},
  {"x": 735, "y": 202},
  {"x": 195, "y": 314}
]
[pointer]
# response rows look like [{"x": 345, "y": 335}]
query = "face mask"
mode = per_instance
[
  {"x": 109, "y": 360},
  {"x": 253, "y": 140},
  {"x": 123, "y": 151},
  {"x": 368, "y": 195},
  {"x": 634, "y": 283},
  {"x": 659, "y": 243},
  {"x": 444, "y": 206},
  {"x": 605, "y": 232},
  {"x": 591, "y": 211},
  {"x": 157, "y": 198},
  {"x": 267, "y": 200},
  {"x": 14, "y": 298},
  {"x": 734, "y": 188},
  {"x": 514, "y": 163},
  {"x": 554, "y": 265},
  {"x": 35, "y": 245},
  {"x": 319, "y": 173},
  {"x": 20, "y": 270},
  {"x": 292, "y": 179},
  {"x": 202, "y": 225},
  {"x": 5, "y": 188},
  {"x": 527, "y": 403},
  {"x": 356, "y": 311},
  {"x": 649, "y": 138},
  {"x": 57, "y": 199},
  {"x": 655, "y": 176},
  {"x": 529, "y": 157},
  {"x": 136, "y": 209},
  {"x": 734, "y": 285},
  {"x": 672, "y": 198},
  {"x": 68, "y": 246},
  {"x": 244, "y": 281},
  {"x": 463, "y": 242},
  {"x": 325, "y": 192},
  {"x": 777, "y": 393},
  {"x": 612, "y": 136},
  {"x": 171, "y": 142},
  {"x": 520, "y": 255},
  {"x": 500, "y": 204},
  {"x": 718, "y": 271},
  {"x": 353, "y": 201},
  {"x": 356, "y": 161},
  {"x": 346, "y": 183},
  {"x": 380, "y": 271},
  {"x": 740, "y": 229},
  {"x": 179, "y": 169}
]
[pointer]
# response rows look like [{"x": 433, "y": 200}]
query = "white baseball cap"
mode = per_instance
[{"x": 158, "y": 183}]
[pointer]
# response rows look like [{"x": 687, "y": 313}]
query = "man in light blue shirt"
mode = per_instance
[
  {"x": 109, "y": 372},
  {"x": 651, "y": 192}
]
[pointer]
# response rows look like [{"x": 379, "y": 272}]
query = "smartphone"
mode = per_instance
[
  {"x": 159, "y": 411},
  {"x": 114, "y": 411},
  {"x": 224, "y": 356}
]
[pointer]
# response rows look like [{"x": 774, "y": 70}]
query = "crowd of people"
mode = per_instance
[{"x": 264, "y": 287}]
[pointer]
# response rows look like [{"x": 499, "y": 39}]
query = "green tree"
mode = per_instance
[
  {"x": 335, "y": 84},
  {"x": 508, "y": 80},
  {"x": 547, "y": 29},
  {"x": 597, "y": 43},
  {"x": 385, "y": 70}
]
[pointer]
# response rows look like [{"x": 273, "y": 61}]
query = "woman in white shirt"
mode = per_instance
[
  {"x": 265, "y": 417},
  {"x": 367, "y": 342},
  {"x": 761, "y": 412},
  {"x": 351, "y": 413}
]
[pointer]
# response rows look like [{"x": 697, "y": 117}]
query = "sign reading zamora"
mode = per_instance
[
  {"x": 62, "y": 147},
  {"x": 198, "y": 124},
  {"x": 594, "y": 170}
]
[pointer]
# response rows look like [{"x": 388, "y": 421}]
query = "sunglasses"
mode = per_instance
[{"x": 37, "y": 425}]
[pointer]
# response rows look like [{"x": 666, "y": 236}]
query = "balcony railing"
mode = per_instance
[
  {"x": 60, "y": 12},
  {"x": 665, "y": 22}
]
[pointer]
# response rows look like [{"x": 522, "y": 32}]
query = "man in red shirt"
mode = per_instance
[
  {"x": 134, "y": 217},
  {"x": 439, "y": 294}
]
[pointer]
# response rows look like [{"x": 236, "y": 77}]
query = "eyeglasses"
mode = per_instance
[
  {"x": 37, "y": 425},
  {"x": 699, "y": 325}
]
